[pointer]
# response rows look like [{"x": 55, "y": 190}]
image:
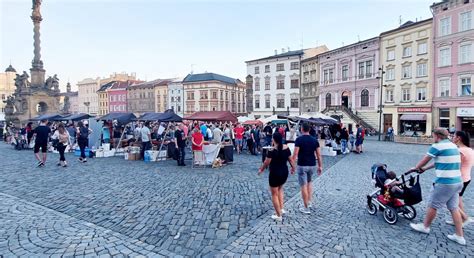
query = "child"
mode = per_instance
[
  {"x": 391, "y": 183},
  {"x": 351, "y": 140}
]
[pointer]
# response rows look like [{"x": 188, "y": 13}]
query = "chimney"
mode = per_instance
[{"x": 276, "y": 52}]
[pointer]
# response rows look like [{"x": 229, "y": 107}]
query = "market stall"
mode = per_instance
[
  {"x": 122, "y": 119},
  {"x": 217, "y": 116}
]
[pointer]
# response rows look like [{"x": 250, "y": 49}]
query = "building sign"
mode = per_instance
[
  {"x": 414, "y": 109},
  {"x": 465, "y": 112}
]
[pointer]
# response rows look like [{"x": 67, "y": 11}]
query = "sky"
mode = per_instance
[{"x": 165, "y": 39}]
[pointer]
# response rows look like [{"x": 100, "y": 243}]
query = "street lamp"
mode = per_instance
[
  {"x": 381, "y": 73},
  {"x": 87, "y": 104}
]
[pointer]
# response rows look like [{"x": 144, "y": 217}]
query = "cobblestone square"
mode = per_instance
[{"x": 112, "y": 207}]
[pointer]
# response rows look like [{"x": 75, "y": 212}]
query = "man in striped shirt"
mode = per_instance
[{"x": 447, "y": 185}]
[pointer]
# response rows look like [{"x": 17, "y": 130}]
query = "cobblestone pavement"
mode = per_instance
[
  {"x": 339, "y": 224},
  {"x": 111, "y": 206}
]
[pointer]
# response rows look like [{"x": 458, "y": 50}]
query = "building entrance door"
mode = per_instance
[{"x": 345, "y": 99}]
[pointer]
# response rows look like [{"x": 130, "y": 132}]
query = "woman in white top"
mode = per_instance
[{"x": 62, "y": 135}]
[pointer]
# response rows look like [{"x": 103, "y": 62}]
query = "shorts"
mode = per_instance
[
  {"x": 305, "y": 174},
  {"x": 41, "y": 145},
  {"x": 238, "y": 142},
  {"x": 445, "y": 195},
  {"x": 464, "y": 187},
  {"x": 358, "y": 142}
]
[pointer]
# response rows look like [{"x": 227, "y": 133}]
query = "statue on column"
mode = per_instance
[
  {"x": 36, "y": 7},
  {"x": 49, "y": 83},
  {"x": 67, "y": 105},
  {"x": 55, "y": 83},
  {"x": 68, "y": 87}
]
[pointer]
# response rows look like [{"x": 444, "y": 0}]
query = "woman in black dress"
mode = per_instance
[{"x": 276, "y": 160}]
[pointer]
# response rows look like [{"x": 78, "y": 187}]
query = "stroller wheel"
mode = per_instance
[
  {"x": 390, "y": 215},
  {"x": 371, "y": 208},
  {"x": 409, "y": 212}
]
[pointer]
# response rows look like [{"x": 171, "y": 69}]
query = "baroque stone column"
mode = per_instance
[{"x": 37, "y": 71}]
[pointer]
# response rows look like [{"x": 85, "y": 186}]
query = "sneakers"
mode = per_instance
[
  {"x": 458, "y": 239},
  {"x": 305, "y": 210},
  {"x": 464, "y": 224},
  {"x": 283, "y": 211},
  {"x": 40, "y": 164},
  {"x": 276, "y": 217},
  {"x": 420, "y": 227}
]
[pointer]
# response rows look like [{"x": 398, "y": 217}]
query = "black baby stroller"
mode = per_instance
[{"x": 389, "y": 203}]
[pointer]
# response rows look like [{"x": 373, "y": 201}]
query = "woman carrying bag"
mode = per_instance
[{"x": 62, "y": 137}]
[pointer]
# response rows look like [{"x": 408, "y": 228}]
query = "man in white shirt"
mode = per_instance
[{"x": 146, "y": 138}]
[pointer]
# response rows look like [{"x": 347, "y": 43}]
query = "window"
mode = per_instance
[
  {"x": 406, "y": 95},
  {"x": 390, "y": 54},
  {"x": 466, "y": 87},
  {"x": 422, "y": 48},
  {"x": 257, "y": 84},
  {"x": 390, "y": 74},
  {"x": 257, "y": 69},
  {"x": 280, "y": 100},
  {"x": 267, "y": 101},
  {"x": 444, "y": 57},
  {"x": 331, "y": 75},
  {"x": 361, "y": 70},
  {"x": 345, "y": 72},
  {"x": 172, "y": 99},
  {"x": 214, "y": 95},
  {"x": 294, "y": 83},
  {"x": 444, "y": 86},
  {"x": 305, "y": 77},
  {"x": 280, "y": 67},
  {"x": 328, "y": 75},
  {"x": 203, "y": 94},
  {"x": 267, "y": 68},
  {"x": 294, "y": 100},
  {"x": 420, "y": 94},
  {"x": 257, "y": 101},
  {"x": 466, "y": 21},
  {"x": 267, "y": 83},
  {"x": 364, "y": 98},
  {"x": 465, "y": 54},
  {"x": 313, "y": 75},
  {"x": 389, "y": 96},
  {"x": 445, "y": 26},
  {"x": 328, "y": 100},
  {"x": 294, "y": 66},
  {"x": 406, "y": 71},
  {"x": 407, "y": 51},
  {"x": 280, "y": 83},
  {"x": 444, "y": 118},
  {"x": 421, "y": 70}
]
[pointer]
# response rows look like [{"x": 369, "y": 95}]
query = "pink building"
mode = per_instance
[
  {"x": 348, "y": 79},
  {"x": 453, "y": 101},
  {"x": 117, "y": 94}
]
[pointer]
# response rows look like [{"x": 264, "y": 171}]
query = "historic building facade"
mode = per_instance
[
  {"x": 276, "y": 81},
  {"x": 213, "y": 92},
  {"x": 161, "y": 95},
  {"x": 176, "y": 96},
  {"x": 405, "y": 54},
  {"x": 7, "y": 87},
  {"x": 88, "y": 99},
  {"x": 141, "y": 97},
  {"x": 103, "y": 98},
  {"x": 453, "y": 61},
  {"x": 117, "y": 95},
  {"x": 348, "y": 79},
  {"x": 309, "y": 85}
]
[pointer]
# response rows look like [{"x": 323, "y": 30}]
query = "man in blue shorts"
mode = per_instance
[{"x": 307, "y": 151}]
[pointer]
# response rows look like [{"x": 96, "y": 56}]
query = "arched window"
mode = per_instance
[
  {"x": 364, "y": 98},
  {"x": 328, "y": 100}
]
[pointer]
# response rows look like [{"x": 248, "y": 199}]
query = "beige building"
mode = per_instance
[
  {"x": 88, "y": 100},
  {"x": 161, "y": 95},
  {"x": 309, "y": 85},
  {"x": 213, "y": 92},
  {"x": 141, "y": 97},
  {"x": 405, "y": 56},
  {"x": 7, "y": 87}
]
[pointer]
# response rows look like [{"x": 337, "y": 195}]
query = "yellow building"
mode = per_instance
[
  {"x": 406, "y": 58},
  {"x": 161, "y": 96},
  {"x": 7, "y": 87}
]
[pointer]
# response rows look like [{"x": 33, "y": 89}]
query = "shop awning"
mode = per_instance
[{"x": 413, "y": 117}]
